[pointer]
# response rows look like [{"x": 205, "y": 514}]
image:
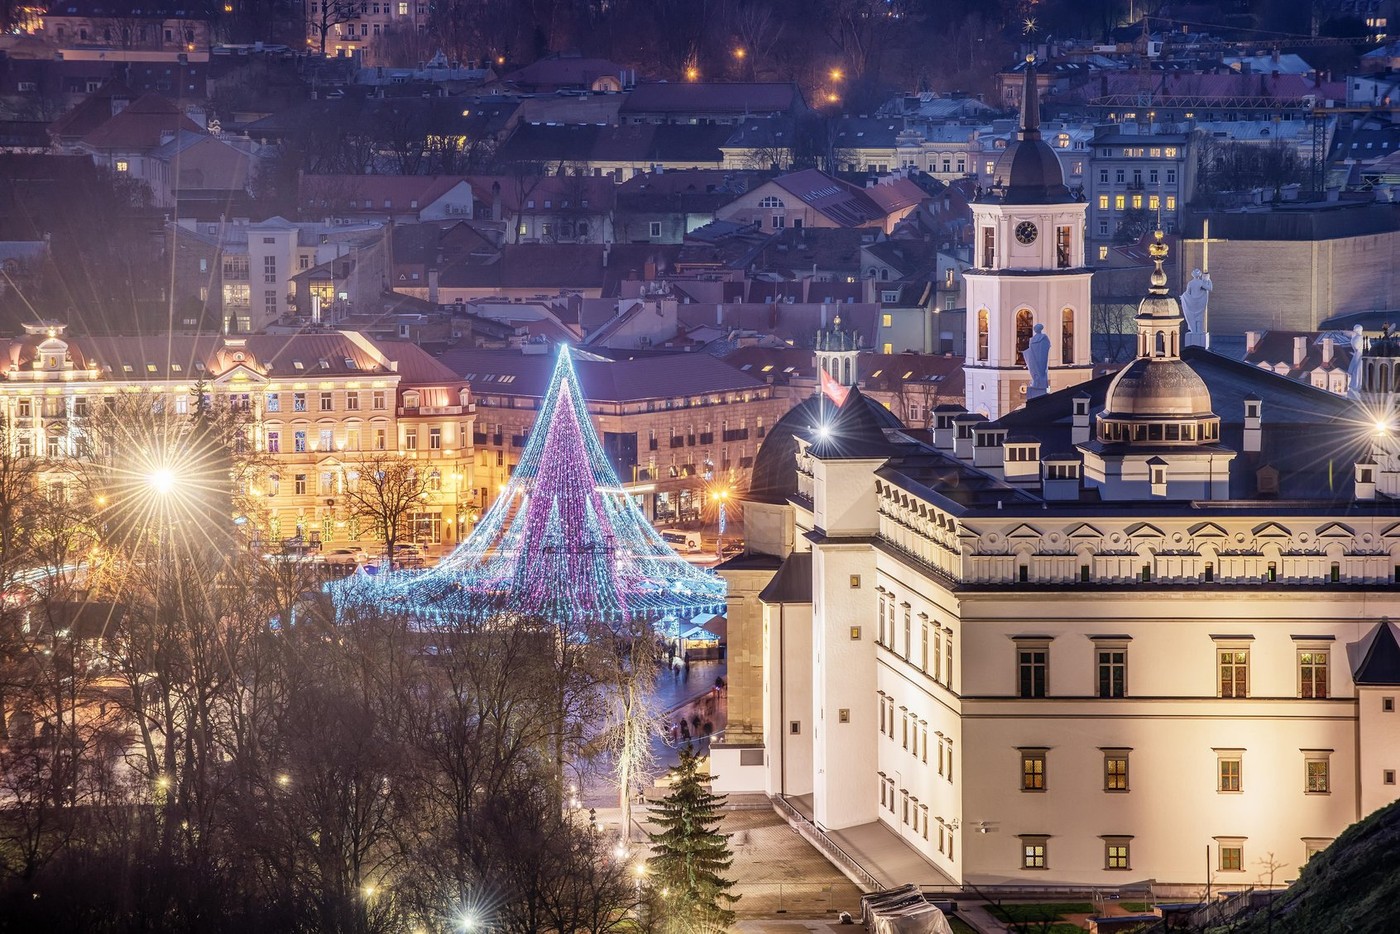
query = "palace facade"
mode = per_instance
[{"x": 1137, "y": 628}]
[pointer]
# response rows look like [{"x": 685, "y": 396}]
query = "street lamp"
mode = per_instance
[
  {"x": 722, "y": 497},
  {"x": 161, "y": 480}
]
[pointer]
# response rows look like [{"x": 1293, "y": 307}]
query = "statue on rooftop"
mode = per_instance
[
  {"x": 1358, "y": 348},
  {"x": 1037, "y": 357},
  {"x": 1193, "y": 305}
]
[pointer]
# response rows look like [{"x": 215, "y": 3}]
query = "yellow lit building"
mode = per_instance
[{"x": 318, "y": 405}]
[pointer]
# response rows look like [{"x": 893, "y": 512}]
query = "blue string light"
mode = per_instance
[{"x": 564, "y": 542}]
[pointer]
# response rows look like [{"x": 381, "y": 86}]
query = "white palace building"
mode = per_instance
[{"x": 1136, "y": 628}]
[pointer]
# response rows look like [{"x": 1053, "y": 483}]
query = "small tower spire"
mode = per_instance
[{"x": 1030, "y": 102}]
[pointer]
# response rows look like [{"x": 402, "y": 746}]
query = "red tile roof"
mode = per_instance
[
  {"x": 843, "y": 203},
  {"x": 143, "y": 125}
]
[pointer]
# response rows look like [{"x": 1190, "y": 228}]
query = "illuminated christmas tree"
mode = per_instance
[{"x": 564, "y": 541}]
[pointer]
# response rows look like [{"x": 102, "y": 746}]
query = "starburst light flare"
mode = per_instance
[{"x": 564, "y": 542}]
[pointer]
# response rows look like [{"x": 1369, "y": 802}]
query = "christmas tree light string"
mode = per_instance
[{"x": 563, "y": 543}]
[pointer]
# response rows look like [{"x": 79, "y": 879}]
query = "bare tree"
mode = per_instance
[
  {"x": 328, "y": 14},
  {"x": 385, "y": 490}
]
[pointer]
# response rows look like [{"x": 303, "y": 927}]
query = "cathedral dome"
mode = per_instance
[
  {"x": 1157, "y": 388},
  {"x": 856, "y": 426},
  {"x": 1158, "y": 398}
]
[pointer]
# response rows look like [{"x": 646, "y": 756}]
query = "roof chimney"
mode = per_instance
[
  {"x": 1300, "y": 350},
  {"x": 1079, "y": 432},
  {"x": 1328, "y": 349},
  {"x": 1253, "y": 434},
  {"x": 1251, "y": 341}
]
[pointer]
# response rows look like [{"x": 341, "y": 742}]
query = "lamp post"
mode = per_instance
[{"x": 722, "y": 497}]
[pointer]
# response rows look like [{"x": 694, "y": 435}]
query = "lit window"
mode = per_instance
[
  {"x": 1318, "y": 773},
  {"x": 1103, "y": 252},
  {"x": 1116, "y": 853},
  {"x": 1119, "y": 202},
  {"x": 1115, "y": 770},
  {"x": 886, "y": 320},
  {"x": 1033, "y": 853},
  {"x": 1103, "y": 202},
  {"x": 1032, "y": 769}
]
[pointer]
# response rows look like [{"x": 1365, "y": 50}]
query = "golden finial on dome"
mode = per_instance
[{"x": 1157, "y": 249}]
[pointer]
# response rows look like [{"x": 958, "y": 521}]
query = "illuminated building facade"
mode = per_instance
[
  {"x": 318, "y": 404},
  {"x": 1139, "y": 622}
]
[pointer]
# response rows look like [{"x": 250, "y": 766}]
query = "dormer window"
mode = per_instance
[{"x": 298, "y": 365}]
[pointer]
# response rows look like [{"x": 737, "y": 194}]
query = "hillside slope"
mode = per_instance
[{"x": 1352, "y": 886}]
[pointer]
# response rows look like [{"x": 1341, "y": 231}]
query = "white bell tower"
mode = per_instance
[{"x": 1028, "y": 269}]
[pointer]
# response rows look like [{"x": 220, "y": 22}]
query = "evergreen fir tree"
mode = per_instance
[{"x": 689, "y": 892}]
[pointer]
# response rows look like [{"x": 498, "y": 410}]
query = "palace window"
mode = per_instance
[
  {"x": 1231, "y": 855},
  {"x": 1229, "y": 770},
  {"x": 1312, "y": 674},
  {"x": 1033, "y": 769},
  {"x": 1115, "y": 770},
  {"x": 1115, "y": 853},
  {"x": 1113, "y": 672},
  {"x": 1317, "y": 768},
  {"x": 1032, "y": 663},
  {"x": 1233, "y": 666},
  {"x": 1033, "y": 852}
]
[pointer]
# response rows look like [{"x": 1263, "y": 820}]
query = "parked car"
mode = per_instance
[
  {"x": 346, "y": 557},
  {"x": 681, "y": 540}
]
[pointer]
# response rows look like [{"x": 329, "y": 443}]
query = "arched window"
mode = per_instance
[
  {"x": 1161, "y": 349},
  {"x": 1025, "y": 324},
  {"x": 846, "y": 379},
  {"x": 1067, "y": 336},
  {"x": 771, "y": 202},
  {"x": 982, "y": 333}
]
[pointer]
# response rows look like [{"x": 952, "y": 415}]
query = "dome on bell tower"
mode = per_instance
[{"x": 1029, "y": 171}]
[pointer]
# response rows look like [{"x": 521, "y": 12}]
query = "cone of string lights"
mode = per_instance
[{"x": 564, "y": 542}]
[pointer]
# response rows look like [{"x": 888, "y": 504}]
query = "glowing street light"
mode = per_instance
[
  {"x": 468, "y": 922},
  {"x": 740, "y": 53},
  {"x": 692, "y": 73},
  {"x": 161, "y": 480},
  {"x": 837, "y": 74}
]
